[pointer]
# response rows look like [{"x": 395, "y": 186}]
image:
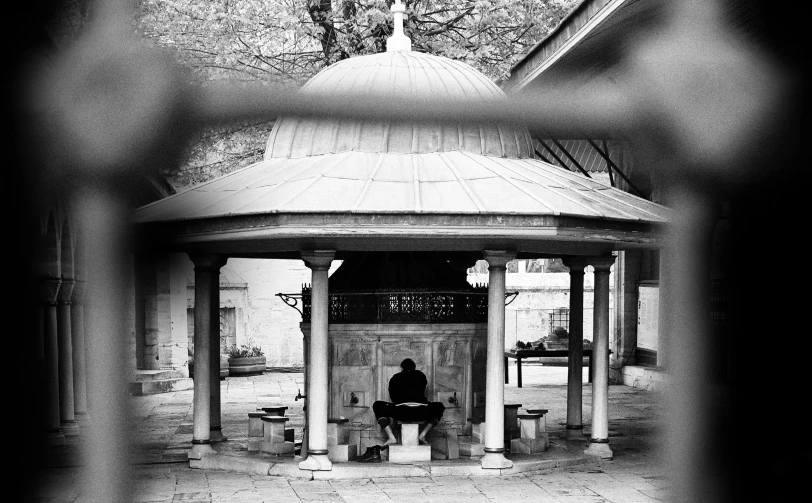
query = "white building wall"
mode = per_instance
[{"x": 527, "y": 318}]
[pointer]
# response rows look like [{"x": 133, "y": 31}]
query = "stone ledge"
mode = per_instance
[
  {"x": 141, "y": 388},
  {"x": 647, "y": 378},
  {"x": 263, "y": 465}
]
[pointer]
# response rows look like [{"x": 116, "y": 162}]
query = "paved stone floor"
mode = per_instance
[{"x": 162, "y": 423}]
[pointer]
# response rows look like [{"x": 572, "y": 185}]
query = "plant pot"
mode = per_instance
[{"x": 251, "y": 365}]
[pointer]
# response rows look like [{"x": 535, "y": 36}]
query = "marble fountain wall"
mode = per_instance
[{"x": 363, "y": 357}]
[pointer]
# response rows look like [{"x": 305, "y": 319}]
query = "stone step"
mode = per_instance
[
  {"x": 140, "y": 388},
  {"x": 158, "y": 375}
]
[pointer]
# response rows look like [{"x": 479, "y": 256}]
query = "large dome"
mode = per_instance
[{"x": 402, "y": 74}]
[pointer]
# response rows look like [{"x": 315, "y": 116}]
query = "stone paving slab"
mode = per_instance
[{"x": 165, "y": 475}]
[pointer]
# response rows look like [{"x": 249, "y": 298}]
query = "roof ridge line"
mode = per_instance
[
  {"x": 315, "y": 179},
  {"x": 513, "y": 183},
  {"x": 365, "y": 188},
  {"x": 589, "y": 194},
  {"x": 197, "y": 186},
  {"x": 465, "y": 187},
  {"x": 557, "y": 190}
]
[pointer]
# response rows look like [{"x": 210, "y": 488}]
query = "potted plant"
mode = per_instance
[{"x": 248, "y": 359}]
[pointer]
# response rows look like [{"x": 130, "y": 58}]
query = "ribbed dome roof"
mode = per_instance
[{"x": 402, "y": 74}]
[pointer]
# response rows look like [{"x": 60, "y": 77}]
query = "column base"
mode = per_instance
[
  {"x": 83, "y": 419},
  {"x": 217, "y": 436},
  {"x": 69, "y": 428},
  {"x": 599, "y": 450},
  {"x": 574, "y": 432},
  {"x": 316, "y": 462},
  {"x": 495, "y": 460},
  {"x": 55, "y": 438},
  {"x": 199, "y": 450}
]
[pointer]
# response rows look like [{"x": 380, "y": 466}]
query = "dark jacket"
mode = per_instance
[{"x": 408, "y": 386}]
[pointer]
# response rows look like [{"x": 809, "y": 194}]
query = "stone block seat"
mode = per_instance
[
  {"x": 273, "y": 440},
  {"x": 409, "y": 449},
  {"x": 533, "y": 437},
  {"x": 279, "y": 410},
  {"x": 473, "y": 445},
  {"x": 339, "y": 446},
  {"x": 274, "y": 410},
  {"x": 511, "y": 422},
  {"x": 444, "y": 441}
]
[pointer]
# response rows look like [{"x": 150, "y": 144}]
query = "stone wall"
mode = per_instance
[{"x": 259, "y": 315}]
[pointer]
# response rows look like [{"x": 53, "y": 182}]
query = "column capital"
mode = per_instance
[
  {"x": 48, "y": 289},
  {"x": 575, "y": 264},
  {"x": 498, "y": 258},
  {"x": 208, "y": 261},
  {"x": 78, "y": 295},
  {"x": 318, "y": 260},
  {"x": 601, "y": 264},
  {"x": 63, "y": 297}
]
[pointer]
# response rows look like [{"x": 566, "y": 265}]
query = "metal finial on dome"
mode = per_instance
[{"x": 398, "y": 41}]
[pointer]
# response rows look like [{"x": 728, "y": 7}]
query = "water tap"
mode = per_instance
[
  {"x": 453, "y": 399},
  {"x": 299, "y": 395}
]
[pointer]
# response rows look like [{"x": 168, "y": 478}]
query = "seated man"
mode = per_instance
[{"x": 407, "y": 389}]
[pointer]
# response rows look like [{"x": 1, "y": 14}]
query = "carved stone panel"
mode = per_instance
[
  {"x": 353, "y": 353},
  {"x": 363, "y": 358}
]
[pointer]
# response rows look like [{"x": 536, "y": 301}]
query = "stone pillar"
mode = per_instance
[
  {"x": 599, "y": 440},
  {"x": 495, "y": 368},
  {"x": 575, "y": 360},
  {"x": 319, "y": 262},
  {"x": 67, "y": 418},
  {"x": 49, "y": 288},
  {"x": 214, "y": 355},
  {"x": 79, "y": 351},
  {"x": 627, "y": 276},
  {"x": 207, "y": 273}
]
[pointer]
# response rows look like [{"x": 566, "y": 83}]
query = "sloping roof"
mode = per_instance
[
  {"x": 439, "y": 183},
  {"x": 356, "y": 186},
  {"x": 582, "y": 151},
  {"x": 590, "y": 40}
]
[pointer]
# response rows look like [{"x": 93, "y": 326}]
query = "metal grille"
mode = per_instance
[
  {"x": 403, "y": 307},
  {"x": 560, "y": 318}
]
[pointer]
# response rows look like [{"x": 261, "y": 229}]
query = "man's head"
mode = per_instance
[{"x": 408, "y": 364}]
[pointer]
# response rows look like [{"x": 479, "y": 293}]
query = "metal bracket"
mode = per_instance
[{"x": 291, "y": 299}]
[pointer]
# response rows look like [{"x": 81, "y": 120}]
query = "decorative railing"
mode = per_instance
[{"x": 400, "y": 306}]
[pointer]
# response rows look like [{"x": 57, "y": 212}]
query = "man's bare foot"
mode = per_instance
[
  {"x": 422, "y": 440},
  {"x": 390, "y": 441}
]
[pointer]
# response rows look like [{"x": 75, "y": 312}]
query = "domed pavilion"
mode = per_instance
[{"x": 422, "y": 199}]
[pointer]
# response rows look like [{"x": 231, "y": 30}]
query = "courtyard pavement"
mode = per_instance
[{"x": 161, "y": 473}]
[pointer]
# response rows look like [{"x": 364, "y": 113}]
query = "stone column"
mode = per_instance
[
  {"x": 207, "y": 273},
  {"x": 49, "y": 289},
  {"x": 495, "y": 368},
  {"x": 599, "y": 440},
  {"x": 319, "y": 262},
  {"x": 214, "y": 355},
  {"x": 65, "y": 347},
  {"x": 575, "y": 360},
  {"x": 628, "y": 273},
  {"x": 79, "y": 352}
]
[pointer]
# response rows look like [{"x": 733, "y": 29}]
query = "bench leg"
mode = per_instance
[{"x": 519, "y": 371}]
